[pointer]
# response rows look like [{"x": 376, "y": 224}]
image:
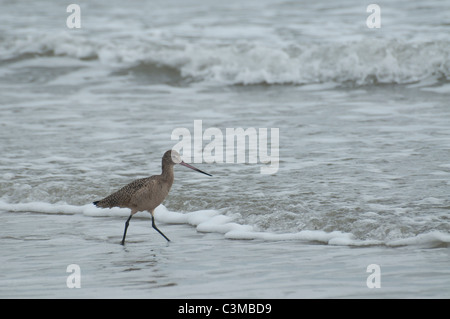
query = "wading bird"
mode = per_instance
[{"x": 146, "y": 194}]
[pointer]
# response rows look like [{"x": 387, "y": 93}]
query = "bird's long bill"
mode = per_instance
[{"x": 192, "y": 167}]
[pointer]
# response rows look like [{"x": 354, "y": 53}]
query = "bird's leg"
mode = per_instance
[
  {"x": 125, "y": 231},
  {"x": 156, "y": 228}
]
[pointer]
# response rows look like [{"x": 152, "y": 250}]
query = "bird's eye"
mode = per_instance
[{"x": 176, "y": 158}]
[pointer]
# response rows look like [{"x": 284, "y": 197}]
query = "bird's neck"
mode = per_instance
[{"x": 167, "y": 172}]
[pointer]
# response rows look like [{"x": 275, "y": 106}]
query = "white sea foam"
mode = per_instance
[
  {"x": 433, "y": 238},
  {"x": 356, "y": 62},
  {"x": 44, "y": 208},
  {"x": 212, "y": 221}
]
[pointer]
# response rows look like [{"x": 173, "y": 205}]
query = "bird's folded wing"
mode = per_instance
[{"x": 143, "y": 195}]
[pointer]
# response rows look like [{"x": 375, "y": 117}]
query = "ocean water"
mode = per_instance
[{"x": 363, "y": 171}]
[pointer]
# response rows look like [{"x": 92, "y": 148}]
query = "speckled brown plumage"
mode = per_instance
[{"x": 146, "y": 194}]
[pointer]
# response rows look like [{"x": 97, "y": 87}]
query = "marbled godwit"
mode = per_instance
[{"x": 146, "y": 194}]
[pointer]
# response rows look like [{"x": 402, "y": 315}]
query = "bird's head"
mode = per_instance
[{"x": 173, "y": 157}]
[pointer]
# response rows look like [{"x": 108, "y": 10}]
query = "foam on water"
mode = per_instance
[
  {"x": 212, "y": 221},
  {"x": 355, "y": 62},
  {"x": 363, "y": 161}
]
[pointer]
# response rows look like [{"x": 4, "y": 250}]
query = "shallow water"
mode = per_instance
[
  {"x": 200, "y": 265},
  {"x": 363, "y": 169}
]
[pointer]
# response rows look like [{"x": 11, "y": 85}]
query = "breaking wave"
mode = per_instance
[
  {"x": 213, "y": 221},
  {"x": 374, "y": 61}
]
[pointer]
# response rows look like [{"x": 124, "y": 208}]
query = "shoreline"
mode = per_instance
[{"x": 201, "y": 265}]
